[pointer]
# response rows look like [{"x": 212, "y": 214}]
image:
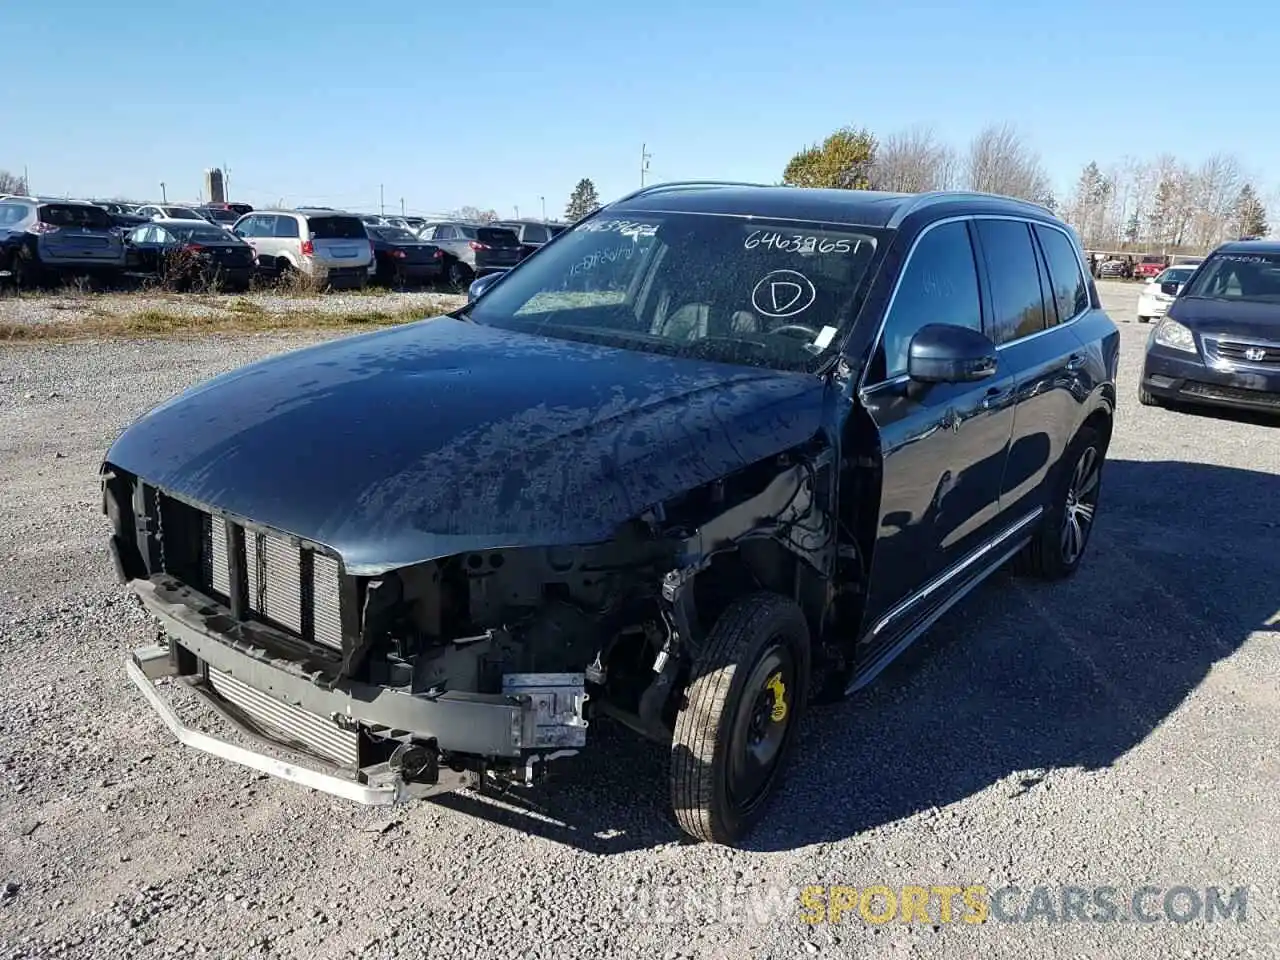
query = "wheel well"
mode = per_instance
[{"x": 1100, "y": 420}]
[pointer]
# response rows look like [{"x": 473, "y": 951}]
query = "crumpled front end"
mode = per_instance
[{"x": 272, "y": 631}]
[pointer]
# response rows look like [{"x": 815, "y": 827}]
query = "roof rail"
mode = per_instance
[
  {"x": 678, "y": 184},
  {"x": 922, "y": 200}
]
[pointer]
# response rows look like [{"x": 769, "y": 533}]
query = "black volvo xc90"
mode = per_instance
[{"x": 714, "y": 452}]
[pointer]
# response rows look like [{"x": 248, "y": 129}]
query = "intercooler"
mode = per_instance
[{"x": 288, "y": 723}]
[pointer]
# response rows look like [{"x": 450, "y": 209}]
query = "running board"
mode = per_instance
[{"x": 873, "y": 669}]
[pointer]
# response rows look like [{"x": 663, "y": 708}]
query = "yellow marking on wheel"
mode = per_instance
[{"x": 775, "y": 685}]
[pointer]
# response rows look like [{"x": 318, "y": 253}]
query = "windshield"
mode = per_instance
[
  {"x": 395, "y": 234},
  {"x": 336, "y": 228},
  {"x": 770, "y": 294},
  {"x": 1238, "y": 276},
  {"x": 1176, "y": 275},
  {"x": 199, "y": 234},
  {"x": 222, "y": 216},
  {"x": 76, "y": 215}
]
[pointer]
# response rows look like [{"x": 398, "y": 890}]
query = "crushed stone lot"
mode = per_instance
[{"x": 1120, "y": 730}]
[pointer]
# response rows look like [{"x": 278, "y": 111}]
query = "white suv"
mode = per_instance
[{"x": 333, "y": 247}]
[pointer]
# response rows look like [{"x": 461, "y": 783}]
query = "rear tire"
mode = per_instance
[
  {"x": 1056, "y": 550},
  {"x": 460, "y": 276},
  {"x": 741, "y": 711}
]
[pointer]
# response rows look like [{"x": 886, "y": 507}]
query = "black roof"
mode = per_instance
[
  {"x": 1250, "y": 246},
  {"x": 868, "y": 208}
]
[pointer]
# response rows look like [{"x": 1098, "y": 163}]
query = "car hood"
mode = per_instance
[
  {"x": 444, "y": 436},
  {"x": 1260, "y": 321}
]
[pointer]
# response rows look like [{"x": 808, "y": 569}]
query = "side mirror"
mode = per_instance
[
  {"x": 943, "y": 353},
  {"x": 481, "y": 284}
]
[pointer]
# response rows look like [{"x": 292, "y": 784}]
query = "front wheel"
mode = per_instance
[
  {"x": 1058, "y": 546},
  {"x": 741, "y": 710}
]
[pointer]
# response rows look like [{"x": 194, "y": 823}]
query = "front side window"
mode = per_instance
[
  {"x": 1016, "y": 300},
  {"x": 1070, "y": 292},
  {"x": 1238, "y": 276},
  {"x": 760, "y": 293},
  {"x": 939, "y": 284}
]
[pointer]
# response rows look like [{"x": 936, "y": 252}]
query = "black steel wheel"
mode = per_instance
[
  {"x": 739, "y": 717},
  {"x": 1058, "y": 547}
]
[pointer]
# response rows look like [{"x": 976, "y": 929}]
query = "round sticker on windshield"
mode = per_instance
[{"x": 783, "y": 293}]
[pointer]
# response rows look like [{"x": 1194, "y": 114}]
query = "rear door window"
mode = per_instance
[
  {"x": 938, "y": 285},
  {"x": 1070, "y": 294},
  {"x": 1016, "y": 299},
  {"x": 535, "y": 233},
  {"x": 286, "y": 228},
  {"x": 336, "y": 228}
]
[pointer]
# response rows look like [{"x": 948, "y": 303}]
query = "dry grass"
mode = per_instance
[{"x": 237, "y": 316}]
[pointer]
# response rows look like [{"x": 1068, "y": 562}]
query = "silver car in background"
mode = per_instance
[{"x": 331, "y": 246}]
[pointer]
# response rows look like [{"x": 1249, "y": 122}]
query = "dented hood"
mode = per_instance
[{"x": 443, "y": 436}]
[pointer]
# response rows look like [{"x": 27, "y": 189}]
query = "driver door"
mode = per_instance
[{"x": 943, "y": 445}]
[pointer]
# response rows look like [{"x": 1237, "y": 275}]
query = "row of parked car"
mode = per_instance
[{"x": 43, "y": 238}]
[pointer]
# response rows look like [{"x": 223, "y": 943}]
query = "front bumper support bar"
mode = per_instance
[{"x": 148, "y": 664}]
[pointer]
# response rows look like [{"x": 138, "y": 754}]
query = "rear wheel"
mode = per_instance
[
  {"x": 739, "y": 718},
  {"x": 459, "y": 276},
  {"x": 1058, "y": 546}
]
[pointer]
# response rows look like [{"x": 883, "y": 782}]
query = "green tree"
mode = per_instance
[
  {"x": 843, "y": 161},
  {"x": 582, "y": 201},
  {"x": 1133, "y": 229},
  {"x": 1250, "y": 214}
]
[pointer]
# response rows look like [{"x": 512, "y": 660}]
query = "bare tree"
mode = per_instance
[
  {"x": 475, "y": 214},
  {"x": 12, "y": 183},
  {"x": 913, "y": 161},
  {"x": 999, "y": 161},
  {"x": 1215, "y": 188}
]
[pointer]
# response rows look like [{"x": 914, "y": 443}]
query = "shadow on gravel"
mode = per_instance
[{"x": 1022, "y": 678}]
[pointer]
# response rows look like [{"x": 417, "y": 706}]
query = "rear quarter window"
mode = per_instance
[{"x": 336, "y": 228}]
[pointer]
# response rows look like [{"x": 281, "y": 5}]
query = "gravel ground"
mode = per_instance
[
  {"x": 70, "y": 306},
  {"x": 1120, "y": 729}
]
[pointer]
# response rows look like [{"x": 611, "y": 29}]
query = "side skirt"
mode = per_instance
[{"x": 1000, "y": 550}]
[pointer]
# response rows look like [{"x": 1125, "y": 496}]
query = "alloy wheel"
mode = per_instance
[{"x": 1081, "y": 506}]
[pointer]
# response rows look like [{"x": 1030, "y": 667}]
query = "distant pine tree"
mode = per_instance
[{"x": 582, "y": 201}]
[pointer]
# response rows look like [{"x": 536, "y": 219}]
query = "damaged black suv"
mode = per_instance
[{"x": 714, "y": 452}]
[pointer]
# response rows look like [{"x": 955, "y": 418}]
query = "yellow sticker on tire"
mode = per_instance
[{"x": 775, "y": 685}]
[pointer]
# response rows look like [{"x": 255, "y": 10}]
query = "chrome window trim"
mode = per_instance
[{"x": 864, "y": 387}]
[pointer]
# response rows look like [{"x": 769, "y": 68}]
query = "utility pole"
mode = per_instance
[
  {"x": 402, "y": 206},
  {"x": 26, "y": 181},
  {"x": 382, "y": 201},
  {"x": 226, "y": 183},
  {"x": 164, "y": 196},
  {"x": 645, "y": 157},
  {"x": 517, "y": 211},
  {"x": 543, "y": 200}
]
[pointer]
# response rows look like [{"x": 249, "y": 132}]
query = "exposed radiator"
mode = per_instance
[{"x": 279, "y": 589}]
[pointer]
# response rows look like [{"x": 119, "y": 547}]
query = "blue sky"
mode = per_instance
[{"x": 499, "y": 103}]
